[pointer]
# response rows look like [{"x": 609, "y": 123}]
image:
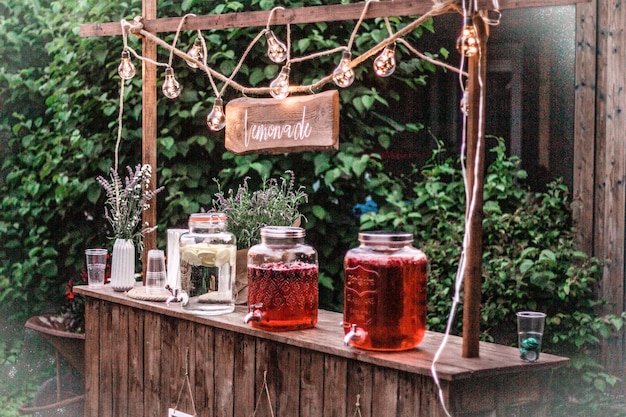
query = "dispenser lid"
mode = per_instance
[
  {"x": 282, "y": 232},
  {"x": 385, "y": 237}
]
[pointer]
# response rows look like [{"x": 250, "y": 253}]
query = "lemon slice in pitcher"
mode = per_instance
[{"x": 224, "y": 256}]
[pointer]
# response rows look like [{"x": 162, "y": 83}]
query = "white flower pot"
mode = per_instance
[{"x": 123, "y": 265}]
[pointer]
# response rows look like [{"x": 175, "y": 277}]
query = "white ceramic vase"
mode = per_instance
[{"x": 123, "y": 265}]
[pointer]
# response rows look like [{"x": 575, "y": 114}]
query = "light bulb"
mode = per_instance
[
  {"x": 343, "y": 75},
  {"x": 171, "y": 88},
  {"x": 385, "y": 63},
  {"x": 216, "y": 119},
  {"x": 465, "y": 102},
  {"x": 279, "y": 88},
  {"x": 467, "y": 42},
  {"x": 276, "y": 50},
  {"x": 196, "y": 52},
  {"x": 126, "y": 69}
]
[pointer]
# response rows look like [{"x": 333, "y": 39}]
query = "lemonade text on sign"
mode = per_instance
[{"x": 294, "y": 124}]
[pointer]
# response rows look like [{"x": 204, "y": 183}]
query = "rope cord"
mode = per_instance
[
  {"x": 187, "y": 384},
  {"x": 264, "y": 390},
  {"x": 440, "y": 8}
]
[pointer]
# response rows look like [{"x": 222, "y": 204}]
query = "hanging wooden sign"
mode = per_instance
[{"x": 294, "y": 124}]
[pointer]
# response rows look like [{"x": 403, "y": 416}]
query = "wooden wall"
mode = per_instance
[{"x": 600, "y": 151}]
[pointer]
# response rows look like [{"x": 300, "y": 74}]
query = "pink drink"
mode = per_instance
[
  {"x": 385, "y": 297},
  {"x": 286, "y": 294}
]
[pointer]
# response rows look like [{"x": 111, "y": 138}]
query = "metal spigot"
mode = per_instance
[
  {"x": 355, "y": 334},
  {"x": 255, "y": 313},
  {"x": 177, "y": 295}
]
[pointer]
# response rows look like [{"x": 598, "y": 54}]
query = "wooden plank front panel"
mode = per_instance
[
  {"x": 360, "y": 388},
  {"x": 385, "y": 396},
  {"x": 152, "y": 366},
  {"x": 243, "y": 377},
  {"x": 408, "y": 402},
  {"x": 227, "y": 371},
  {"x": 265, "y": 365},
  {"x": 135, "y": 362},
  {"x": 224, "y": 367},
  {"x": 92, "y": 356},
  {"x": 106, "y": 355},
  {"x": 335, "y": 382},
  {"x": 311, "y": 383},
  {"x": 119, "y": 359},
  {"x": 288, "y": 381},
  {"x": 203, "y": 381}
]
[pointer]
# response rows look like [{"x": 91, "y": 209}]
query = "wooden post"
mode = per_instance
[
  {"x": 610, "y": 170},
  {"x": 476, "y": 84},
  {"x": 149, "y": 125}
]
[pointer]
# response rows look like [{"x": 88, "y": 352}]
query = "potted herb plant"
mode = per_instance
[
  {"x": 275, "y": 203},
  {"x": 123, "y": 209}
]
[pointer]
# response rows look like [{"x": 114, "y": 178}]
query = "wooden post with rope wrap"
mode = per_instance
[{"x": 477, "y": 72}]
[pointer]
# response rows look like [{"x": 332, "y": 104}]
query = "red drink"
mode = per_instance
[
  {"x": 286, "y": 294},
  {"x": 385, "y": 298}
]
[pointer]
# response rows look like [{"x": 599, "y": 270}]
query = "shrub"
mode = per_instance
[{"x": 530, "y": 261}]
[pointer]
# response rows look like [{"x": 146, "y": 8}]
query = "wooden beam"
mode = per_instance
[
  {"x": 313, "y": 14},
  {"x": 149, "y": 126},
  {"x": 476, "y": 84}
]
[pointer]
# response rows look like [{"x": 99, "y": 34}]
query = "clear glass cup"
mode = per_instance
[
  {"x": 96, "y": 265},
  {"x": 156, "y": 275},
  {"x": 530, "y": 326}
]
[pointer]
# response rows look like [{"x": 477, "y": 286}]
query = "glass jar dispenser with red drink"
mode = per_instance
[
  {"x": 282, "y": 281},
  {"x": 385, "y": 292}
]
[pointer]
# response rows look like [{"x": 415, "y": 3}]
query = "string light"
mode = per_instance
[
  {"x": 171, "y": 88},
  {"x": 126, "y": 69},
  {"x": 196, "y": 52},
  {"x": 467, "y": 42},
  {"x": 276, "y": 50},
  {"x": 279, "y": 88},
  {"x": 385, "y": 63},
  {"x": 343, "y": 75},
  {"x": 216, "y": 119}
]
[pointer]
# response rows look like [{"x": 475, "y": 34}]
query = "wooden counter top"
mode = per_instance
[{"x": 327, "y": 337}]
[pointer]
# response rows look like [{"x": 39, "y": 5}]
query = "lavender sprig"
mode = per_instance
[
  {"x": 274, "y": 204},
  {"x": 127, "y": 200}
]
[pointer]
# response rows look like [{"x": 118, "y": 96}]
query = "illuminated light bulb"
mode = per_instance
[
  {"x": 196, "y": 52},
  {"x": 385, "y": 63},
  {"x": 126, "y": 69},
  {"x": 343, "y": 75},
  {"x": 276, "y": 50},
  {"x": 216, "y": 120},
  {"x": 467, "y": 42},
  {"x": 279, "y": 88},
  {"x": 171, "y": 88},
  {"x": 465, "y": 103}
]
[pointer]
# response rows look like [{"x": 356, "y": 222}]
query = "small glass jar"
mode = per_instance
[
  {"x": 385, "y": 292},
  {"x": 207, "y": 265},
  {"x": 282, "y": 280}
]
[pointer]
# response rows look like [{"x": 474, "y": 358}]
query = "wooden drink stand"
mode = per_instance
[{"x": 138, "y": 352}]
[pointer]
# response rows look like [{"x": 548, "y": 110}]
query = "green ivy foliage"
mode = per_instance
[
  {"x": 530, "y": 262},
  {"x": 59, "y": 125}
]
